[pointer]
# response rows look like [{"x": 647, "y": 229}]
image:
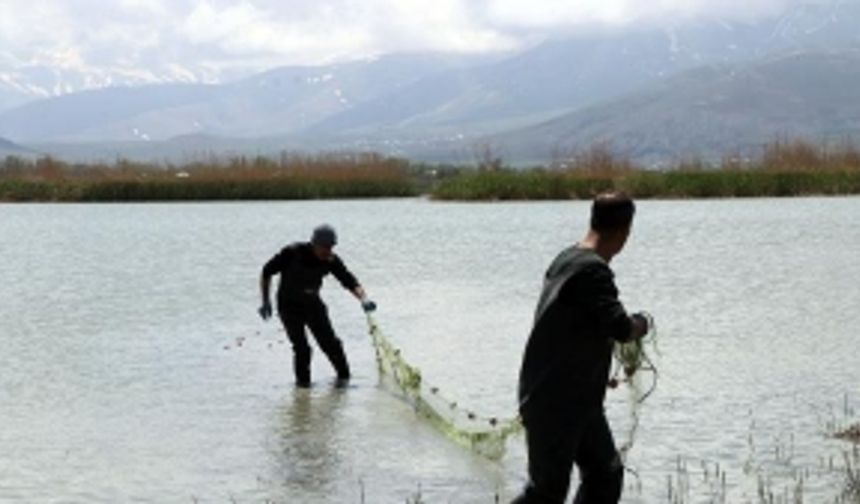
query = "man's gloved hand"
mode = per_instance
[
  {"x": 641, "y": 322},
  {"x": 368, "y": 305},
  {"x": 265, "y": 311}
]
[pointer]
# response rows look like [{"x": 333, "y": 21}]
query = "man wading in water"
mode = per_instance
[
  {"x": 566, "y": 365},
  {"x": 302, "y": 267}
]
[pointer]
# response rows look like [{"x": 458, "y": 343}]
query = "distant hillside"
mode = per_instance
[
  {"x": 711, "y": 111},
  {"x": 72, "y": 115},
  {"x": 419, "y": 96},
  {"x": 11, "y": 98},
  {"x": 566, "y": 74},
  {"x": 607, "y": 84},
  {"x": 706, "y": 112},
  {"x": 279, "y": 101},
  {"x": 8, "y": 148}
]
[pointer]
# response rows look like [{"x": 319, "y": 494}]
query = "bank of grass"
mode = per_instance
[
  {"x": 783, "y": 169},
  {"x": 240, "y": 178}
]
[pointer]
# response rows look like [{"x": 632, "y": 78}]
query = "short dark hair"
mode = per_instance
[{"x": 612, "y": 211}]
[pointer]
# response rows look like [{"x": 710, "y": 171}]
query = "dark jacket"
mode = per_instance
[
  {"x": 302, "y": 272},
  {"x": 568, "y": 355}
]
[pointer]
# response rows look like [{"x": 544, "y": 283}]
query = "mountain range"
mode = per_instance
[
  {"x": 701, "y": 88},
  {"x": 713, "y": 111},
  {"x": 8, "y": 148}
]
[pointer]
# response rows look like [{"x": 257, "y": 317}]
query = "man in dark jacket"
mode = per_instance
[
  {"x": 302, "y": 267},
  {"x": 566, "y": 365}
]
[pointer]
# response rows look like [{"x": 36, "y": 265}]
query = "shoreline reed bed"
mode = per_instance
[
  {"x": 240, "y": 178},
  {"x": 783, "y": 169}
]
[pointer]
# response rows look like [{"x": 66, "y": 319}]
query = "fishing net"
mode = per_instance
[
  {"x": 632, "y": 363},
  {"x": 488, "y": 435},
  {"x": 483, "y": 435}
]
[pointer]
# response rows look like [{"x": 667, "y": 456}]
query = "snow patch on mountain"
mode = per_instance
[{"x": 320, "y": 79}]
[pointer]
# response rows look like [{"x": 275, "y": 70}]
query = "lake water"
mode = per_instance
[{"x": 122, "y": 378}]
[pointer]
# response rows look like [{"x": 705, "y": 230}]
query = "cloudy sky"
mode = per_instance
[{"x": 211, "y": 38}]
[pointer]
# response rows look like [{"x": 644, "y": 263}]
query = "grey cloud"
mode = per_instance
[{"x": 211, "y": 36}]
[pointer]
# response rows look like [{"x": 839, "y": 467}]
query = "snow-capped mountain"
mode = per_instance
[
  {"x": 283, "y": 100},
  {"x": 21, "y": 83},
  {"x": 815, "y": 23},
  {"x": 415, "y": 97}
]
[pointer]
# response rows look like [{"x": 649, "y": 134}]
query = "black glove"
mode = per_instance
[
  {"x": 265, "y": 311},
  {"x": 368, "y": 306}
]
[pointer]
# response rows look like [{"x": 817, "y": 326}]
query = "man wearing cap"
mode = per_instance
[{"x": 302, "y": 266}]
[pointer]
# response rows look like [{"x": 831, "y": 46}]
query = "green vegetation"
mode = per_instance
[
  {"x": 784, "y": 169},
  {"x": 290, "y": 177}
]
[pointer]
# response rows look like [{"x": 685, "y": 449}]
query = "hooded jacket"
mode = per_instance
[{"x": 568, "y": 354}]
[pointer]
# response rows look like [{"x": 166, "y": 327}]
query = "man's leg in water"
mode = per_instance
[
  {"x": 320, "y": 326},
  {"x": 294, "y": 324},
  {"x": 600, "y": 467},
  {"x": 551, "y": 456}
]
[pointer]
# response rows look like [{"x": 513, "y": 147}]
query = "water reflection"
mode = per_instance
[{"x": 309, "y": 448}]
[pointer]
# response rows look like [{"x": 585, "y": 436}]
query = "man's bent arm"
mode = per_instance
[
  {"x": 613, "y": 318},
  {"x": 344, "y": 276}
]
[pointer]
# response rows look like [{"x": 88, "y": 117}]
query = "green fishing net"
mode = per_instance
[
  {"x": 483, "y": 435},
  {"x": 632, "y": 363},
  {"x": 488, "y": 435}
]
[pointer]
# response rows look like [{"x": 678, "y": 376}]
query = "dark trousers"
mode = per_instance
[
  {"x": 313, "y": 314},
  {"x": 552, "y": 451}
]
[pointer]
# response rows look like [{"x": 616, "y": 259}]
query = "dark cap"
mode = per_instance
[{"x": 324, "y": 236}]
